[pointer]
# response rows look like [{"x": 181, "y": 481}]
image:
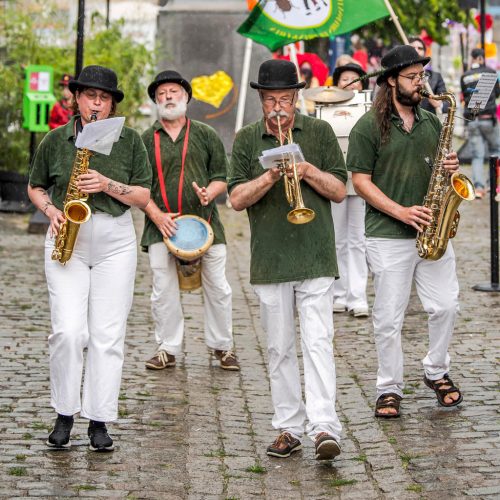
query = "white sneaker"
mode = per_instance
[
  {"x": 338, "y": 307},
  {"x": 360, "y": 312}
]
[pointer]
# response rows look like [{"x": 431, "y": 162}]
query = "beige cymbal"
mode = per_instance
[{"x": 327, "y": 94}]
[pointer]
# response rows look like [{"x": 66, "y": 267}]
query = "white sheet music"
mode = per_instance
[
  {"x": 482, "y": 92},
  {"x": 100, "y": 135},
  {"x": 273, "y": 157}
]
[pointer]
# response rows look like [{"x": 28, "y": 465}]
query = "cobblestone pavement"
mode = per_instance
[{"x": 198, "y": 432}]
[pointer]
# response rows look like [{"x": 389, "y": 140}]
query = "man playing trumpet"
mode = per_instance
[{"x": 293, "y": 266}]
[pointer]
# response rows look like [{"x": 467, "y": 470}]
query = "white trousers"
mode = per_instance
[
  {"x": 313, "y": 301},
  {"x": 349, "y": 223},
  {"x": 395, "y": 264},
  {"x": 166, "y": 304},
  {"x": 90, "y": 298}
]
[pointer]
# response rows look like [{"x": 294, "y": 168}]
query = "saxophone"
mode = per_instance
[
  {"x": 445, "y": 192},
  {"x": 76, "y": 211}
]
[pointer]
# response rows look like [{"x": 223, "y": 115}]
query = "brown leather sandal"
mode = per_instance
[
  {"x": 388, "y": 400},
  {"x": 438, "y": 387}
]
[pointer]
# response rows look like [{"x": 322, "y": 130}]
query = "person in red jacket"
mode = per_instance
[{"x": 62, "y": 110}]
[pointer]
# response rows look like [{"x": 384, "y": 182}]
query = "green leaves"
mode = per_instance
[
  {"x": 416, "y": 15},
  {"x": 42, "y": 37}
]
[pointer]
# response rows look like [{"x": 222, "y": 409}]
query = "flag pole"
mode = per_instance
[
  {"x": 293, "y": 58},
  {"x": 243, "y": 85},
  {"x": 402, "y": 34}
]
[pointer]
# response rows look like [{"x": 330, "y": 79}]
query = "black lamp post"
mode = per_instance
[{"x": 79, "y": 37}]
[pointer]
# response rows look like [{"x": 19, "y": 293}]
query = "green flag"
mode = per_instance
[{"x": 275, "y": 23}]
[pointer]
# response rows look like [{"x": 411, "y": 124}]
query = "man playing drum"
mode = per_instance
[
  {"x": 189, "y": 171},
  {"x": 293, "y": 266}
]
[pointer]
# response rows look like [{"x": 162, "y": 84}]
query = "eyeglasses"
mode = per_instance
[
  {"x": 93, "y": 95},
  {"x": 282, "y": 101},
  {"x": 416, "y": 77}
]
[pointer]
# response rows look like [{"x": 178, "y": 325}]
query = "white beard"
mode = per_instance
[{"x": 170, "y": 113}]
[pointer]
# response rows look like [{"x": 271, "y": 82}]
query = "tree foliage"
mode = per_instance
[
  {"x": 23, "y": 43},
  {"x": 415, "y": 16}
]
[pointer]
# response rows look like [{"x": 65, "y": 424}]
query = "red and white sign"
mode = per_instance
[{"x": 40, "y": 81}]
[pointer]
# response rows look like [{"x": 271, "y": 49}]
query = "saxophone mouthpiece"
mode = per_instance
[
  {"x": 93, "y": 117},
  {"x": 425, "y": 93}
]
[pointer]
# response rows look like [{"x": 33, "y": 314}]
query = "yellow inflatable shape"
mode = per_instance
[{"x": 212, "y": 89}]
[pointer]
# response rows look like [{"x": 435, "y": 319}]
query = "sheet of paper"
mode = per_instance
[
  {"x": 277, "y": 156},
  {"x": 100, "y": 136},
  {"x": 482, "y": 92}
]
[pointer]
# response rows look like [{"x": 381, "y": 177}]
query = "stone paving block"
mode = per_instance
[{"x": 171, "y": 419}]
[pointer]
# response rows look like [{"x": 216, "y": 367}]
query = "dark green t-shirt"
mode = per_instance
[
  {"x": 281, "y": 251},
  {"x": 53, "y": 164},
  {"x": 206, "y": 161},
  {"x": 401, "y": 168}
]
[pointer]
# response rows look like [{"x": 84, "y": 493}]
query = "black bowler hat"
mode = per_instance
[
  {"x": 97, "y": 77},
  {"x": 349, "y": 67},
  {"x": 277, "y": 74},
  {"x": 169, "y": 76},
  {"x": 398, "y": 58}
]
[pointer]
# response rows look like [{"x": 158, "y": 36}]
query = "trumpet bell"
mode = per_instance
[{"x": 301, "y": 215}]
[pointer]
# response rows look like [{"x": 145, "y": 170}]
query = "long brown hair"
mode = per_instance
[{"x": 383, "y": 107}]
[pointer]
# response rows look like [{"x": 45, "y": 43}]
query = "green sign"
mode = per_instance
[{"x": 38, "y": 98}]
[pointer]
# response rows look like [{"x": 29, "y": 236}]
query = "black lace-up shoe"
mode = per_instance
[
  {"x": 59, "y": 437},
  {"x": 99, "y": 437}
]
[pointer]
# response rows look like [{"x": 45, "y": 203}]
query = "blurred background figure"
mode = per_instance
[
  {"x": 349, "y": 222},
  {"x": 360, "y": 54},
  {"x": 482, "y": 127},
  {"x": 306, "y": 72},
  {"x": 63, "y": 109},
  {"x": 435, "y": 81},
  {"x": 342, "y": 60}
]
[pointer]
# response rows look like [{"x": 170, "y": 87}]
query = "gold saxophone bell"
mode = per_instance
[{"x": 299, "y": 214}]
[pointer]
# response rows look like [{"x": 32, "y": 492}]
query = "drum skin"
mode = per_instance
[
  {"x": 192, "y": 239},
  {"x": 343, "y": 116}
]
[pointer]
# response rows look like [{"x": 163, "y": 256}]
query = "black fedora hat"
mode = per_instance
[
  {"x": 97, "y": 77},
  {"x": 398, "y": 58},
  {"x": 277, "y": 74},
  {"x": 169, "y": 76},
  {"x": 349, "y": 67}
]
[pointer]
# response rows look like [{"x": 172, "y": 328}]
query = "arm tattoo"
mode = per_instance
[
  {"x": 46, "y": 202},
  {"x": 46, "y": 205},
  {"x": 117, "y": 188}
]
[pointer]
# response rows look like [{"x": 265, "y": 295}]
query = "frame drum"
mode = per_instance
[{"x": 192, "y": 239}]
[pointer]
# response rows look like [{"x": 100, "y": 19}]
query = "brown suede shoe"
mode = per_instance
[
  {"x": 284, "y": 445},
  {"x": 228, "y": 360},
  {"x": 161, "y": 360},
  {"x": 326, "y": 446}
]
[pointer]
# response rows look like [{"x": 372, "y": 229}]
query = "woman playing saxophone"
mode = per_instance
[{"x": 90, "y": 296}]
